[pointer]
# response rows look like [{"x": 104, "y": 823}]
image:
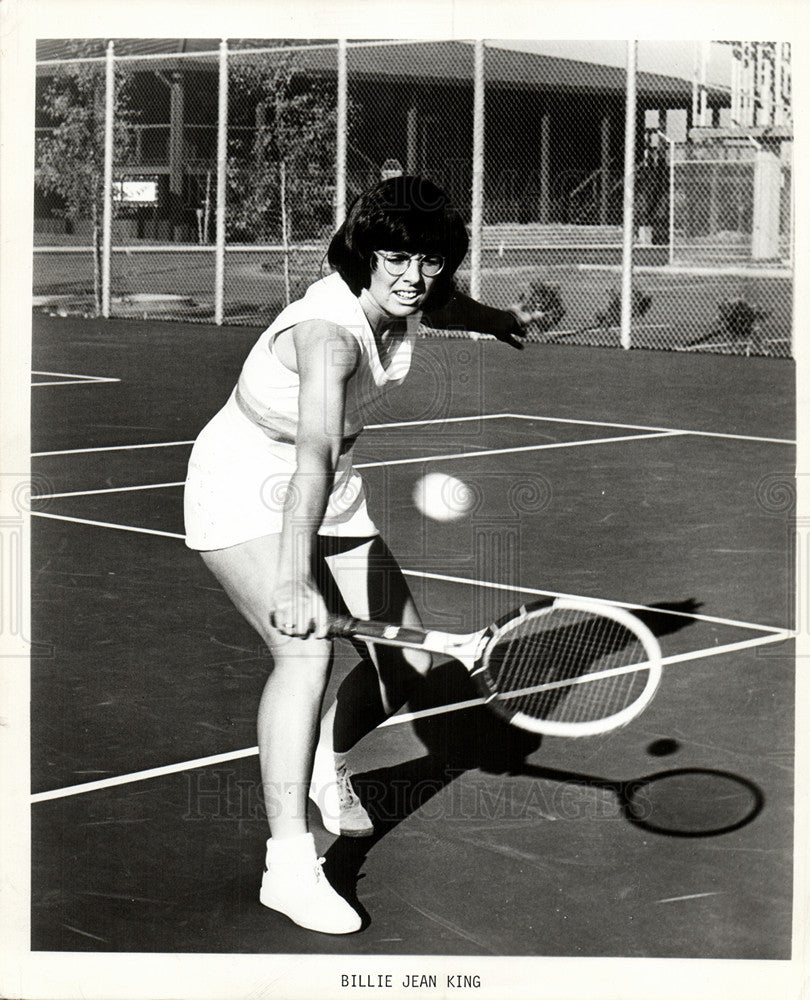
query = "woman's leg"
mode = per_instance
[
  {"x": 290, "y": 707},
  {"x": 293, "y": 882},
  {"x": 361, "y": 577},
  {"x": 372, "y": 586}
]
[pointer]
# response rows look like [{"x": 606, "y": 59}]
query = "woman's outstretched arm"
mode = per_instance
[{"x": 465, "y": 313}]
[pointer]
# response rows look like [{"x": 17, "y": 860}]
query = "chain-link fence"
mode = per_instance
[{"x": 231, "y": 166}]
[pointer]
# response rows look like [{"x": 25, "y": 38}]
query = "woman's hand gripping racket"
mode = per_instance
[{"x": 561, "y": 667}]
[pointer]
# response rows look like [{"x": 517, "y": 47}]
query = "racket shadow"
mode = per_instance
[{"x": 681, "y": 802}]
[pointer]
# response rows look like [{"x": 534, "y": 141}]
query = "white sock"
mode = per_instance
[{"x": 287, "y": 849}]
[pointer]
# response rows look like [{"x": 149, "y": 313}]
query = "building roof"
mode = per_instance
[{"x": 437, "y": 61}]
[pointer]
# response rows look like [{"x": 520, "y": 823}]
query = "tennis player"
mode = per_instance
[{"x": 278, "y": 513}]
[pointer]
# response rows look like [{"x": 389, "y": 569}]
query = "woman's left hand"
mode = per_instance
[
  {"x": 515, "y": 327},
  {"x": 464, "y": 313},
  {"x": 515, "y": 333}
]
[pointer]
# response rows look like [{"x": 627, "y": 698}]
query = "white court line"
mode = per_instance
[
  {"x": 78, "y": 381},
  {"x": 489, "y": 585},
  {"x": 438, "y": 420},
  {"x": 110, "y": 447},
  {"x": 446, "y": 578},
  {"x": 369, "y": 427},
  {"x": 443, "y": 420},
  {"x": 110, "y": 489},
  {"x": 510, "y": 451},
  {"x": 107, "y": 524},
  {"x": 397, "y": 461},
  {"x": 87, "y": 378},
  {"x": 642, "y": 427},
  {"x": 696, "y": 654},
  {"x": 692, "y": 895},
  {"x": 396, "y": 720},
  {"x": 152, "y": 772}
]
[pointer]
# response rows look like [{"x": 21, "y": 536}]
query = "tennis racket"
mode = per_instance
[{"x": 559, "y": 667}]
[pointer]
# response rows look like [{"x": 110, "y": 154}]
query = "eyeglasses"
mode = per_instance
[{"x": 396, "y": 263}]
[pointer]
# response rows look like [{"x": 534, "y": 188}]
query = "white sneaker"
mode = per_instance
[
  {"x": 295, "y": 885},
  {"x": 342, "y": 812}
]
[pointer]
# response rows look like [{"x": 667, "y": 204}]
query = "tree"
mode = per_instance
[
  {"x": 281, "y": 166},
  {"x": 70, "y": 153}
]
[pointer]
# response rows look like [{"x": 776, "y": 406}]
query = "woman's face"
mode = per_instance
[{"x": 401, "y": 295}]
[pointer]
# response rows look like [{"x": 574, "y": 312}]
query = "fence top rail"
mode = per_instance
[
  {"x": 213, "y": 53},
  {"x": 202, "y": 54},
  {"x": 162, "y": 248}
]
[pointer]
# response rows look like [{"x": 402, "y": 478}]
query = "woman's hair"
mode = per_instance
[{"x": 401, "y": 213}]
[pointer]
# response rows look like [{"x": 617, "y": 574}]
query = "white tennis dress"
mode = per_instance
[{"x": 241, "y": 463}]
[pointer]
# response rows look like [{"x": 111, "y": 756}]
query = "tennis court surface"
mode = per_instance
[{"x": 659, "y": 481}]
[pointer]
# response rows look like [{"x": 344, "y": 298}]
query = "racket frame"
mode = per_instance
[
  {"x": 498, "y": 701},
  {"x": 471, "y": 650}
]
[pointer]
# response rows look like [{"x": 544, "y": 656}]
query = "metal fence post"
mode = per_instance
[
  {"x": 106, "y": 231},
  {"x": 671, "y": 214},
  {"x": 341, "y": 137},
  {"x": 629, "y": 180},
  {"x": 671, "y": 151},
  {"x": 477, "y": 205},
  {"x": 222, "y": 170}
]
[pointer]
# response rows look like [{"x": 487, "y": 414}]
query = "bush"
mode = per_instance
[
  {"x": 738, "y": 319},
  {"x": 613, "y": 312}
]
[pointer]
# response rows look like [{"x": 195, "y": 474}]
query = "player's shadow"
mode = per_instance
[{"x": 456, "y": 741}]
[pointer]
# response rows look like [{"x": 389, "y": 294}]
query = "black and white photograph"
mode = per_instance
[{"x": 402, "y": 551}]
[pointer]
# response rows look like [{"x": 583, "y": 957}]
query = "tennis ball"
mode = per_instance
[{"x": 441, "y": 497}]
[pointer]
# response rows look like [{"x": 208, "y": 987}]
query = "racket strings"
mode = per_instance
[{"x": 568, "y": 666}]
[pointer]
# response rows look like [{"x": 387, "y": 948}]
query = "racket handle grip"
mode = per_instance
[
  {"x": 342, "y": 627},
  {"x": 350, "y": 628}
]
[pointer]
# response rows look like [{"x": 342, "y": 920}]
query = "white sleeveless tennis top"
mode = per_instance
[
  {"x": 267, "y": 391},
  {"x": 243, "y": 459}
]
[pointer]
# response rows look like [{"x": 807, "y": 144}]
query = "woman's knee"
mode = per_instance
[{"x": 299, "y": 662}]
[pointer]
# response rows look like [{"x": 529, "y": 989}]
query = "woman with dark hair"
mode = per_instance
[{"x": 278, "y": 513}]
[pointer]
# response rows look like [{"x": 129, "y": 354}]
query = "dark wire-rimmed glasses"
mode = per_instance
[{"x": 397, "y": 262}]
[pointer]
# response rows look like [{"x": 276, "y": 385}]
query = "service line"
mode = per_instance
[
  {"x": 393, "y": 461},
  {"x": 520, "y": 448}
]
